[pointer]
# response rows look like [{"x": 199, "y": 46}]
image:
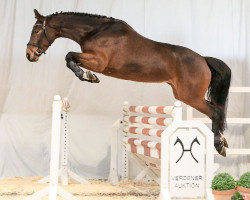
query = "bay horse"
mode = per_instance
[{"x": 113, "y": 48}]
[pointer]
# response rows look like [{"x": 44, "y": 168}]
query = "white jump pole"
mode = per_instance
[{"x": 53, "y": 190}]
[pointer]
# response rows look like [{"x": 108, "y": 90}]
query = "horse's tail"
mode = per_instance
[{"x": 219, "y": 86}]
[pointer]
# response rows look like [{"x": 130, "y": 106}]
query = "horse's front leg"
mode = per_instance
[{"x": 74, "y": 64}]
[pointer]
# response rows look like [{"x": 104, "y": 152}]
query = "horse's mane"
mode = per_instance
[{"x": 81, "y": 14}]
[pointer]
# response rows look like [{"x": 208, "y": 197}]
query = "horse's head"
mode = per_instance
[{"x": 42, "y": 36}]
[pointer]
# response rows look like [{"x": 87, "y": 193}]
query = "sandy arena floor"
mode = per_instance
[{"x": 18, "y": 188}]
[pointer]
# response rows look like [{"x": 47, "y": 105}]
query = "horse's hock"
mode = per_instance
[{"x": 176, "y": 154}]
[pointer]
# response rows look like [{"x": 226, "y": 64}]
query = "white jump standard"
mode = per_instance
[
  {"x": 65, "y": 172},
  {"x": 175, "y": 153},
  {"x": 53, "y": 189}
]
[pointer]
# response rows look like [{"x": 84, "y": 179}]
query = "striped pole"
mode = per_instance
[
  {"x": 150, "y": 109},
  {"x": 142, "y": 131},
  {"x": 148, "y": 120}
]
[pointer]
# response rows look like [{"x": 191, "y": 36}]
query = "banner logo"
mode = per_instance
[{"x": 178, "y": 140}]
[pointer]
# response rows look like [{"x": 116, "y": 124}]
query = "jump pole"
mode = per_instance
[{"x": 53, "y": 190}]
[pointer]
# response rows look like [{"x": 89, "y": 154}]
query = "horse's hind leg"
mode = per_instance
[
  {"x": 215, "y": 114},
  {"x": 195, "y": 98}
]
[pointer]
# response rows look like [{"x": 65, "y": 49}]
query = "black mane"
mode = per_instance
[{"x": 81, "y": 14}]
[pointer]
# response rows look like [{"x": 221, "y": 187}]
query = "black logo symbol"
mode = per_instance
[{"x": 184, "y": 150}]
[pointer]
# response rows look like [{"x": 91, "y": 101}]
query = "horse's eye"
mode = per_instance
[{"x": 35, "y": 31}]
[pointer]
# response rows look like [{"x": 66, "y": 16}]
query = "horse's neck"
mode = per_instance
[
  {"x": 74, "y": 29},
  {"x": 72, "y": 34}
]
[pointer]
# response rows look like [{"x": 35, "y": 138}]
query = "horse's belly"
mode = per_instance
[{"x": 137, "y": 72}]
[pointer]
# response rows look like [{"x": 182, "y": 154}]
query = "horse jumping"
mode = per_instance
[{"x": 113, "y": 48}]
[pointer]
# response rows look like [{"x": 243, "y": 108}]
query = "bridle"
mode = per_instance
[{"x": 39, "y": 51}]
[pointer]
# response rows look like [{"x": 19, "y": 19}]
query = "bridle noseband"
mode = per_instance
[{"x": 44, "y": 33}]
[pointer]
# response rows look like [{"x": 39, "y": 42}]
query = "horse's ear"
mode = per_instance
[{"x": 38, "y": 16}]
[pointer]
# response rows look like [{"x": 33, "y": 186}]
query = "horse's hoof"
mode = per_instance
[
  {"x": 89, "y": 75},
  {"x": 224, "y": 142},
  {"x": 223, "y": 152},
  {"x": 92, "y": 77},
  {"x": 220, "y": 145},
  {"x": 96, "y": 79}
]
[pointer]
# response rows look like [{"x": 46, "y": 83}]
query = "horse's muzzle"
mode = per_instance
[{"x": 31, "y": 56}]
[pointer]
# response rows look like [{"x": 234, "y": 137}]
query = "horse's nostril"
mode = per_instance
[{"x": 28, "y": 56}]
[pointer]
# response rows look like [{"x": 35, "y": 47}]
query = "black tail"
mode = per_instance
[{"x": 219, "y": 87}]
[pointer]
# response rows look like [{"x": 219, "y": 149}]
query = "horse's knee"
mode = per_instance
[{"x": 69, "y": 56}]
